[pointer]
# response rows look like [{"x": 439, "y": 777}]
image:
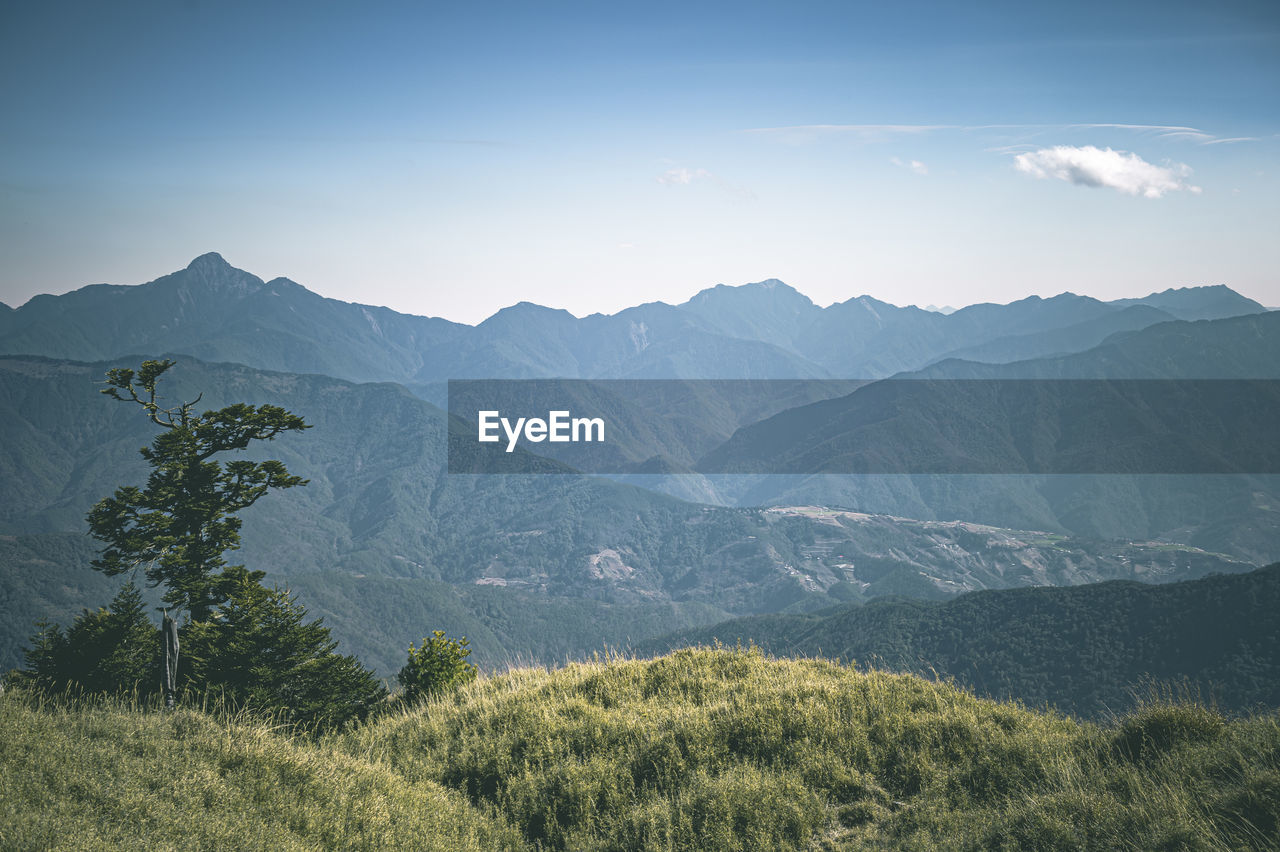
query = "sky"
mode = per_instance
[{"x": 449, "y": 159}]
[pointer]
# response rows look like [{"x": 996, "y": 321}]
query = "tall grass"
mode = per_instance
[
  {"x": 701, "y": 749},
  {"x": 110, "y": 774}
]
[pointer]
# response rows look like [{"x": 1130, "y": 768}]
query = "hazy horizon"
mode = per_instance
[{"x": 943, "y": 308}]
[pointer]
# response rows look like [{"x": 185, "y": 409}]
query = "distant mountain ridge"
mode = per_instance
[
  {"x": 1212, "y": 301},
  {"x": 1076, "y": 337},
  {"x": 806, "y": 438},
  {"x": 215, "y": 312},
  {"x": 219, "y": 313},
  {"x": 1237, "y": 514},
  {"x": 1239, "y": 347},
  {"x": 1083, "y": 649}
]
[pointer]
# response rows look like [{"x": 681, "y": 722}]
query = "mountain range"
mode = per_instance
[
  {"x": 215, "y": 312},
  {"x": 385, "y": 543},
  {"x": 1239, "y": 514}
]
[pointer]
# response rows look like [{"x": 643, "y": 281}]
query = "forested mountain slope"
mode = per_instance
[{"x": 1085, "y": 650}]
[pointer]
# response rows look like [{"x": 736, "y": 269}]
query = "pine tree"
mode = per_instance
[
  {"x": 260, "y": 652},
  {"x": 179, "y": 526},
  {"x": 114, "y": 649},
  {"x": 250, "y": 645}
]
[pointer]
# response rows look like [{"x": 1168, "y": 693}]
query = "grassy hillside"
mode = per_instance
[
  {"x": 705, "y": 749},
  {"x": 113, "y": 778}
]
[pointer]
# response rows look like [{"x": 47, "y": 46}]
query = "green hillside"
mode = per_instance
[
  {"x": 699, "y": 750},
  {"x": 1083, "y": 649}
]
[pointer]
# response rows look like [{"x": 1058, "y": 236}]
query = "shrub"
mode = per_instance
[{"x": 439, "y": 666}]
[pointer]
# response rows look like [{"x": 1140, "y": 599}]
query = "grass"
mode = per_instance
[
  {"x": 109, "y": 775},
  {"x": 700, "y": 749}
]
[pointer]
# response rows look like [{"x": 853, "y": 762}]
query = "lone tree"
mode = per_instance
[
  {"x": 241, "y": 641},
  {"x": 438, "y": 667},
  {"x": 184, "y": 520}
]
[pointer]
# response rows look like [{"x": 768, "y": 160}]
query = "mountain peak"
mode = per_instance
[
  {"x": 210, "y": 271},
  {"x": 771, "y": 285},
  {"x": 526, "y": 311},
  {"x": 870, "y": 303},
  {"x": 208, "y": 262},
  {"x": 524, "y": 306}
]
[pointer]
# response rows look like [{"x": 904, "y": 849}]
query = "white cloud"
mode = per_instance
[
  {"x": 915, "y": 165},
  {"x": 1118, "y": 170},
  {"x": 682, "y": 177}
]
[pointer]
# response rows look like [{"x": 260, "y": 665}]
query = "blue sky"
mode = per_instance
[{"x": 450, "y": 159}]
